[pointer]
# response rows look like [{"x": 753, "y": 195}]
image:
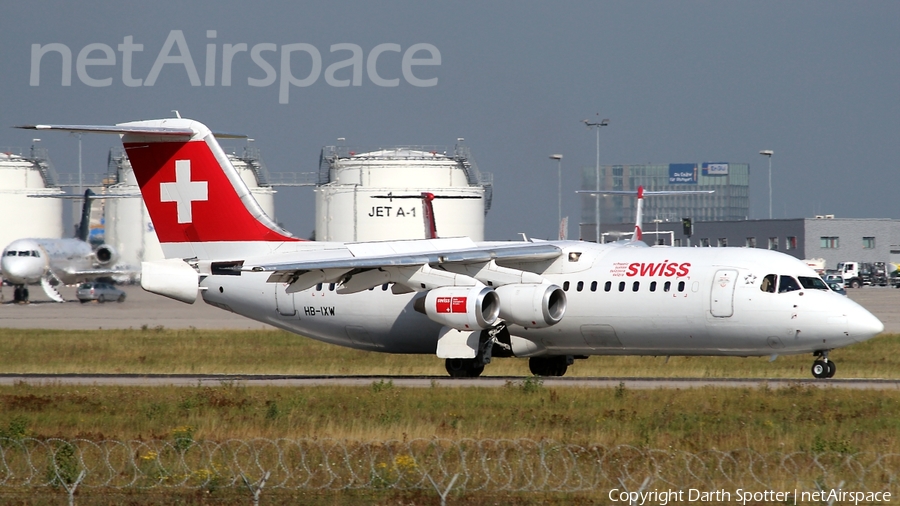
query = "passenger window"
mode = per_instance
[
  {"x": 331, "y": 287},
  {"x": 768, "y": 283},
  {"x": 593, "y": 286},
  {"x": 681, "y": 286},
  {"x": 319, "y": 287},
  {"x": 667, "y": 286},
  {"x": 653, "y": 286},
  {"x": 787, "y": 284},
  {"x": 566, "y": 286},
  {"x": 384, "y": 287},
  {"x": 621, "y": 286},
  {"x": 580, "y": 286},
  {"x": 635, "y": 286},
  {"x": 608, "y": 286}
]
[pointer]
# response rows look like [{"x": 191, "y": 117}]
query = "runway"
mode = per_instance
[{"x": 434, "y": 381}]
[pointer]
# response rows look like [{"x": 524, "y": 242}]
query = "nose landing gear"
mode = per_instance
[{"x": 823, "y": 368}]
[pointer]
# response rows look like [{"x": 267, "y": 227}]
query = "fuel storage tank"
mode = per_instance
[
  {"x": 376, "y": 194},
  {"x": 22, "y": 177}
]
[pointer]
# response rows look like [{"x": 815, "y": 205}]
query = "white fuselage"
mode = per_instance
[{"x": 621, "y": 300}]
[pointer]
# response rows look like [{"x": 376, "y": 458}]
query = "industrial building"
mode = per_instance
[{"x": 729, "y": 202}]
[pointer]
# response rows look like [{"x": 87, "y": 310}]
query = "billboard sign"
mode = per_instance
[
  {"x": 715, "y": 169},
  {"x": 682, "y": 173}
]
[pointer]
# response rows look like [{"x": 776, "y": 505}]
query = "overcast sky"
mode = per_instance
[{"x": 817, "y": 82}]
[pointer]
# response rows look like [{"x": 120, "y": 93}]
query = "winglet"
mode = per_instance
[
  {"x": 428, "y": 207},
  {"x": 638, "y": 222}
]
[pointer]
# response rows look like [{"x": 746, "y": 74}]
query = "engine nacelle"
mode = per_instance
[
  {"x": 106, "y": 255},
  {"x": 461, "y": 307},
  {"x": 532, "y": 306}
]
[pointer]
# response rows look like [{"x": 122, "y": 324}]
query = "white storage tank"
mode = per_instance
[
  {"x": 253, "y": 171},
  {"x": 374, "y": 195},
  {"x": 23, "y": 216}
]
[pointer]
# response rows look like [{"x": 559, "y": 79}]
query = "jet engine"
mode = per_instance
[
  {"x": 461, "y": 307},
  {"x": 533, "y": 306},
  {"x": 106, "y": 255}
]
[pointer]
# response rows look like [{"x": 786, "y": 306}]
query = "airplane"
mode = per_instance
[
  {"x": 50, "y": 262},
  {"x": 549, "y": 301}
]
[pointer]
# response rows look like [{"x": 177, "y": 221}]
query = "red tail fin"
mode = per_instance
[{"x": 193, "y": 193}]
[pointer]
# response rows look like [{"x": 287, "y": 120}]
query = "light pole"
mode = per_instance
[
  {"x": 597, "y": 125},
  {"x": 558, "y": 159},
  {"x": 768, "y": 153}
]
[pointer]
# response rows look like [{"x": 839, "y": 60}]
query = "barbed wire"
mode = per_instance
[{"x": 468, "y": 465}]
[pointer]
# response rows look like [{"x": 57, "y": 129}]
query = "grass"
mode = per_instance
[
  {"x": 796, "y": 418},
  {"x": 193, "y": 351}
]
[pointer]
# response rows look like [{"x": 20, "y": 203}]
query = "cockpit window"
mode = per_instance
[
  {"x": 768, "y": 283},
  {"x": 24, "y": 253},
  {"x": 813, "y": 283},
  {"x": 10, "y": 253},
  {"x": 787, "y": 284}
]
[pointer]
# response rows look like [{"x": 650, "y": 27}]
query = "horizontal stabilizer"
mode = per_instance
[
  {"x": 114, "y": 129},
  {"x": 128, "y": 129}
]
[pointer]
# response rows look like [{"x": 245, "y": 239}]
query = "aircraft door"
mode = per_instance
[
  {"x": 721, "y": 296},
  {"x": 284, "y": 302}
]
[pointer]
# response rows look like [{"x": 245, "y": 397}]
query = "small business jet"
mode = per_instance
[
  {"x": 552, "y": 302},
  {"x": 50, "y": 262}
]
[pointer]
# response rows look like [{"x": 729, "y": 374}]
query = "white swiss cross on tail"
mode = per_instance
[{"x": 183, "y": 191}]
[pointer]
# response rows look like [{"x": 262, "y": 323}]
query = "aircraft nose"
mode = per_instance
[
  {"x": 17, "y": 270},
  {"x": 863, "y": 325}
]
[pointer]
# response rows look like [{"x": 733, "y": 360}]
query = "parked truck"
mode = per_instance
[{"x": 858, "y": 274}]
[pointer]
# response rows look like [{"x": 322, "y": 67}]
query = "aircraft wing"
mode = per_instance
[{"x": 416, "y": 265}]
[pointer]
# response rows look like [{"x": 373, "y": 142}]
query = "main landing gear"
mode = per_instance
[
  {"x": 464, "y": 367},
  {"x": 550, "y": 366},
  {"x": 823, "y": 368},
  {"x": 491, "y": 342}
]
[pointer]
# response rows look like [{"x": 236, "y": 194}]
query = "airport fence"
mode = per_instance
[{"x": 447, "y": 466}]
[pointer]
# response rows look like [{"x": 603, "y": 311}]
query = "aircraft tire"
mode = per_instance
[
  {"x": 832, "y": 368},
  {"x": 548, "y": 366},
  {"x": 820, "y": 369},
  {"x": 463, "y": 368}
]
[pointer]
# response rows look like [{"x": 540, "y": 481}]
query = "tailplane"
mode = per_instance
[{"x": 196, "y": 199}]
